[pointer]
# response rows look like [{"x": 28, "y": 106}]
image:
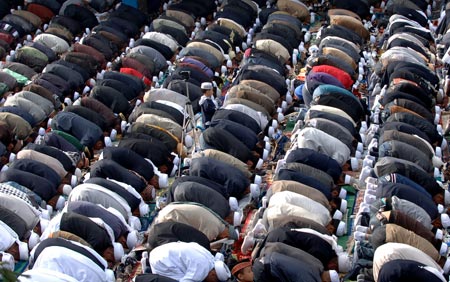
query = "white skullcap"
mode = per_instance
[
  {"x": 73, "y": 180},
  {"x": 113, "y": 134},
  {"x": 267, "y": 146},
  {"x": 342, "y": 193},
  {"x": 23, "y": 250},
  {"x": 254, "y": 190},
  {"x": 248, "y": 243},
  {"x": 12, "y": 157},
  {"x": 163, "y": 180},
  {"x": 60, "y": 203},
  {"x": 439, "y": 234},
  {"x": 271, "y": 131},
  {"x": 288, "y": 98},
  {"x": 443, "y": 250},
  {"x": 274, "y": 123},
  {"x": 446, "y": 267},
  {"x": 118, "y": 251},
  {"x": 92, "y": 83},
  {"x": 86, "y": 89},
  {"x": 206, "y": 86},
  {"x": 223, "y": 69},
  {"x": 143, "y": 209},
  {"x": 237, "y": 218},
  {"x": 265, "y": 154},
  {"x": 7, "y": 261},
  {"x": 341, "y": 229},
  {"x": 258, "y": 179},
  {"x": 337, "y": 215},
  {"x": 108, "y": 142},
  {"x": 44, "y": 224},
  {"x": 259, "y": 164},
  {"x": 33, "y": 240},
  {"x": 355, "y": 164},
  {"x": 344, "y": 262},
  {"x": 280, "y": 117},
  {"x": 174, "y": 171},
  {"x": 41, "y": 131},
  {"x": 222, "y": 270},
  {"x": 233, "y": 202},
  {"x": 67, "y": 189},
  {"x": 334, "y": 276},
  {"x": 343, "y": 206},
  {"x": 132, "y": 239}
]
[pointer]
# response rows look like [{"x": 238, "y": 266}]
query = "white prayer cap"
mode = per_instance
[
  {"x": 118, "y": 251},
  {"x": 341, "y": 229},
  {"x": 7, "y": 261},
  {"x": 143, "y": 209},
  {"x": 60, "y": 203},
  {"x": 222, "y": 270},
  {"x": 23, "y": 250},
  {"x": 237, "y": 218},
  {"x": 206, "y": 86},
  {"x": 344, "y": 262},
  {"x": 108, "y": 142},
  {"x": 12, "y": 157},
  {"x": 334, "y": 276},
  {"x": 258, "y": 179},
  {"x": 337, "y": 215},
  {"x": 163, "y": 180},
  {"x": 259, "y": 163},
  {"x": 33, "y": 240},
  {"x": 41, "y": 131},
  {"x": 68, "y": 101},
  {"x": 343, "y": 206},
  {"x": 113, "y": 134},
  {"x": 233, "y": 202},
  {"x": 67, "y": 189},
  {"x": 132, "y": 239},
  {"x": 254, "y": 190},
  {"x": 86, "y": 89},
  {"x": 445, "y": 220}
]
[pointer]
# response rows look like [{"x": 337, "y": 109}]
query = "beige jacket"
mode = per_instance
[{"x": 195, "y": 216}]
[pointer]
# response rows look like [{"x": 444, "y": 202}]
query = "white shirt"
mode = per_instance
[
  {"x": 184, "y": 262},
  {"x": 69, "y": 262},
  {"x": 299, "y": 200},
  {"x": 285, "y": 209},
  {"x": 317, "y": 140},
  {"x": 393, "y": 251}
]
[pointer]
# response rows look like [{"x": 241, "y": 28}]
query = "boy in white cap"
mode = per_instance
[{"x": 207, "y": 103}]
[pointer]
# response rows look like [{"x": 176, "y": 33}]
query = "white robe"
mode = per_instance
[
  {"x": 317, "y": 140},
  {"x": 184, "y": 262},
  {"x": 71, "y": 263}
]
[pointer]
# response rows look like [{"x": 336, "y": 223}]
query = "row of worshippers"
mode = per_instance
[
  {"x": 40, "y": 176},
  {"x": 193, "y": 201},
  {"x": 296, "y": 231},
  {"x": 401, "y": 221}
]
